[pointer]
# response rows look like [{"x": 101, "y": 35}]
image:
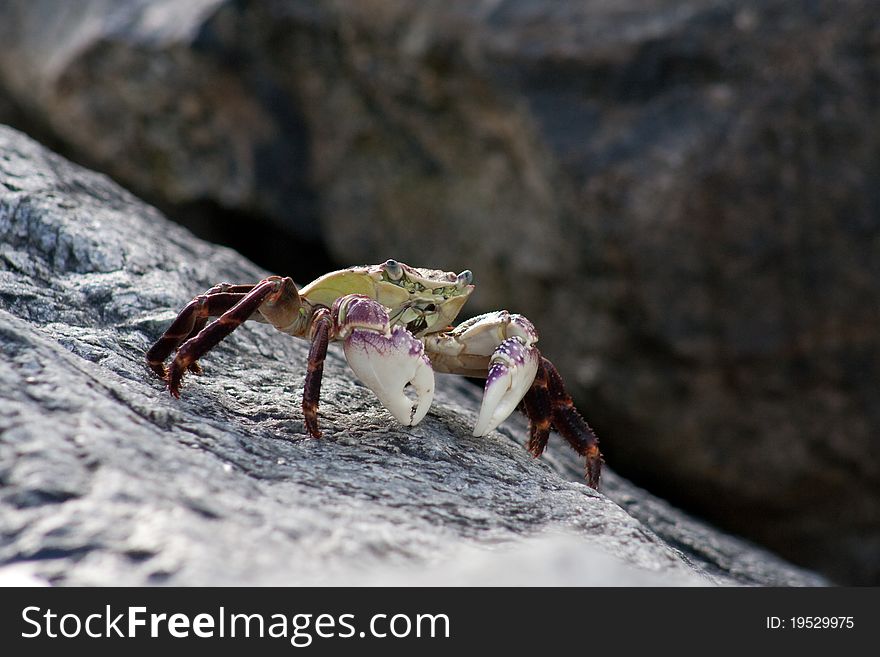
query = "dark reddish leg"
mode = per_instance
[
  {"x": 548, "y": 404},
  {"x": 212, "y": 308},
  {"x": 572, "y": 426},
  {"x": 198, "y": 345},
  {"x": 322, "y": 326},
  {"x": 191, "y": 320},
  {"x": 539, "y": 410}
]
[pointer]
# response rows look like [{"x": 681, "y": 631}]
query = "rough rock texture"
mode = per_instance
[
  {"x": 105, "y": 479},
  {"x": 682, "y": 192}
]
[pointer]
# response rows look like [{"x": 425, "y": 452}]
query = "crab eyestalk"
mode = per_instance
[
  {"x": 386, "y": 360},
  {"x": 393, "y": 269}
]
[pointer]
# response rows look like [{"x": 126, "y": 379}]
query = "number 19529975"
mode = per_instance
[
  {"x": 822, "y": 622},
  {"x": 811, "y": 622}
]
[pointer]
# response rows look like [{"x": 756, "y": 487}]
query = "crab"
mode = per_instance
[{"x": 395, "y": 323}]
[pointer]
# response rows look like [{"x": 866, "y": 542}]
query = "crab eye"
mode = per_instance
[
  {"x": 393, "y": 269},
  {"x": 465, "y": 278}
]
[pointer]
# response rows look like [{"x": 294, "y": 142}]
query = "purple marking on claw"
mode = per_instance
[
  {"x": 358, "y": 311},
  {"x": 511, "y": 373},
  {"x": 495, "y": 373},
  {"x": 515, "y": 351},
  {"x": 387, "y": 364},
  {"x": 361, "y": 339},
  {"x": 526, "y": 328},
  {"x": 401, "y": 340}
]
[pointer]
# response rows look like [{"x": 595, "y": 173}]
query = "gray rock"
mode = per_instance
[
  {"x": 105, "y": 479},
  {"x": 682, "y": 191}
]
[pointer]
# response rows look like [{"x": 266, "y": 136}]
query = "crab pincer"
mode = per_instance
[
  {"x": 512, "y": 370},
  {"x": 386, "y": 360}
]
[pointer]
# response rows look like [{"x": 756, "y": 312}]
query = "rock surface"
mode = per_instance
[
  {"x": 105, "y": 479},
  {"x": 682, "y": 191}
]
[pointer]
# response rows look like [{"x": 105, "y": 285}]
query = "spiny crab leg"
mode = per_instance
[
  {"x": 548, "y": 404},
  {"x": 386, "y": 360}
]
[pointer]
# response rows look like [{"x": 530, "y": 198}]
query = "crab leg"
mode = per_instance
[
  {"x": 322, "y": 326},
  {"x": 571, "y": 425},
  {"x": 548, "y": 404},
  {"x": 386, "y": 360},
  {"x": 273, "y": 291},
  {"x": 191, "y": 320},
  {"x": 539, "y": 409}
]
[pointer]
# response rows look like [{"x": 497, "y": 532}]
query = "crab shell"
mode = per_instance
[{"x": 410, "y": 293}]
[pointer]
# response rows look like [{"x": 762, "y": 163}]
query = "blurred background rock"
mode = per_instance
[{"x": 682, "y": 194}]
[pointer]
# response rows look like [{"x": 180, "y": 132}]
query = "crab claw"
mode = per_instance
[
  {"x": 387, "y": 364},
  {"x": 512, "y": 370},
  {"x": 386, "y": 360}
]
